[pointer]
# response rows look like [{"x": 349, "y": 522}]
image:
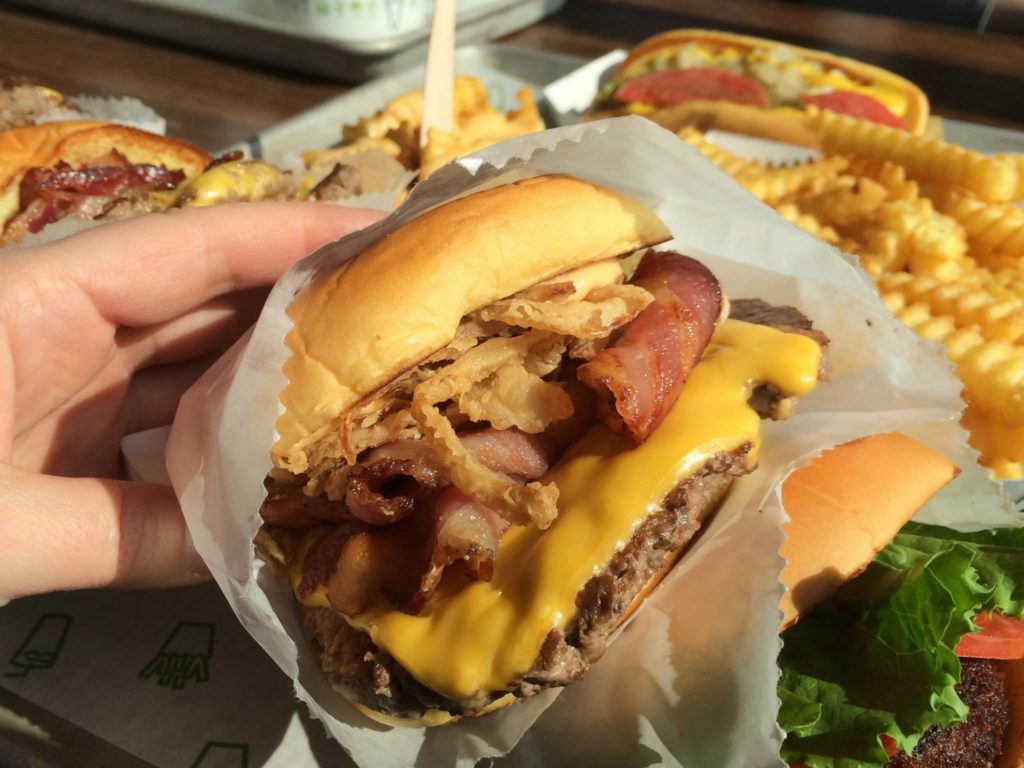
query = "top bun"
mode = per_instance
[
  {"x": 400, "y": 301},
  {"x": 845, "y": 506}
]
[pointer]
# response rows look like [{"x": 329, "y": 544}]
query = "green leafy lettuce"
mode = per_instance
[{"x": 878, "y": 658}]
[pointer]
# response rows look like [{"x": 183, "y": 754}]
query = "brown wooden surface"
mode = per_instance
[{"x": 215, "y": 101}]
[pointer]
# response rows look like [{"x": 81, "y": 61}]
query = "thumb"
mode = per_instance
[{"x": 68, "y": 533}]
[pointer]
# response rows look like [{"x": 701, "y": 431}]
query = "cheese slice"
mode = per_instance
[
  {"x": 476, "y": 637},
  {"x": 239, "y": 180}
]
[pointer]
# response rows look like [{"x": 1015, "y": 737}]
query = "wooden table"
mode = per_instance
[{"x": 216, "y": 101}]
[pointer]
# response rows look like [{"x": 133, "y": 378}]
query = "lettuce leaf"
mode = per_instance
[{"x": 878, "y": 657}]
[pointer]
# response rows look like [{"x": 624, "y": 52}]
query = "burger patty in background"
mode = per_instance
[
  {"x": 977, "y": 742},
  {"x": 23, "y": 101}
]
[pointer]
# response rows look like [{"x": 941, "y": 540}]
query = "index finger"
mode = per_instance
[{"x": 152, "y": 268}]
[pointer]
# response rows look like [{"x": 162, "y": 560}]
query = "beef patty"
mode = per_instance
[{"x": 977, "y": 742}]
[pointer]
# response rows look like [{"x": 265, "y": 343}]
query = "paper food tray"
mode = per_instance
[{"x": 645, "y": 693}]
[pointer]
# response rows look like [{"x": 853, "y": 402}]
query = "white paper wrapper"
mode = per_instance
[
  {"x": 676, "y": 688},
  {"x": 56, "y": 231},
  {"x": 115, "y": 109}
]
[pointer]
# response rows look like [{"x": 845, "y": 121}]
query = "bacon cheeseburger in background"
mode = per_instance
[
  {"x": 503, "y": 422},
  {"x": 95, "y": 171}
]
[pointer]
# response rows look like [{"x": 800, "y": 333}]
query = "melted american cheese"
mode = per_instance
[
  {"x": 584, "y": 279},
  {"x": 476, "y": 637},
  {"x": 238, "y": 180}
]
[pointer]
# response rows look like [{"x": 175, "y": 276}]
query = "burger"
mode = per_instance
[
  {"x": 903, "y": 643},
  {"x": 711, "y": 79},
  {"x": 92, "y": 170},
  {"x": 23, "y": 101},
  {"x": 502, "y": 425}
]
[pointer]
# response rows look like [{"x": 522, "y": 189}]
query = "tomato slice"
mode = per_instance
[
  {"x": 857, "y": 105},
  {"x": 889, "y": 745},
  {"x": 669, "y": 87},
  {"x": 1000, "y": 638}
]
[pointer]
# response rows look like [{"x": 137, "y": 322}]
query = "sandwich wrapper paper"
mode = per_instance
[{"x": 691, "y": 681}]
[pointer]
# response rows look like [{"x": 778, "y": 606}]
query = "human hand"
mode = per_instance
[{"x": 100, "y": 335}]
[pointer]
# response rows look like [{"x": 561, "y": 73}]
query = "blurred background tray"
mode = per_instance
[
  {"x": 244, "y": 28},
  {"x": 504, "y": 69}
]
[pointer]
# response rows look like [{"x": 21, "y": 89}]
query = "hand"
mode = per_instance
[{"x": 100, "y": 334}]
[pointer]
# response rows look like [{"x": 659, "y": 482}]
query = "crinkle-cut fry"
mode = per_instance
[
  {"x": 995, "y": 231},
  {"x": 846, "y": 205},
  {"x": 909, "y": 234},
  {"x": 773, "y": 184},
  {"x": 819, "y": 184},
  {"x": 1000, "y": 445},
  {"x": 884, "y": 251},
  {"x": 727, "y": 161},
  {"x": 872, "y": 263},
  {"x": 1017, "y": 158},
  {"x": 938, "y": 248},
  {"x": 994, "y": 180},
  {"x": 890, "y": 175},
  {"x": 1002, "y": 469},
  {"x": 997, "y": 313},
  {"x": 791, "y": 213},
  {"x": 992, "y": 371},
  {"x": 1011, "y": 279}
]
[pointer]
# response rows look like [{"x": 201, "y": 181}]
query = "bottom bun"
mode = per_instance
[{"x": 785, "y": 127}]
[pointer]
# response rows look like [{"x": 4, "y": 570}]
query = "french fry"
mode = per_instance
[
  {"x": 1001, "y": 446},
  {"x": 930, "y": 224},
  {"x": 774, "y": 184},
  {"x": 890, "y": 175},
  {"x": 995, "y": 232},
  {"x": 992, "y": 179},
  {"x": 727, "y": 161},
  {"x": 992, "y": 371},
  {"x": 997, "y": 313},
  {"x": 846, "y": 205},
  {"x": 791, "y": 213},
  {"x": 1017, "y": 159}
]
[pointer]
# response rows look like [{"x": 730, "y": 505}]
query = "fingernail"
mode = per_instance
[{"x": 194, "y": 563}]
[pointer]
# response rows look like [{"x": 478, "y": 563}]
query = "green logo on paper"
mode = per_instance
[
  {"x": 222, "y": 754},
  {"x": 184, "y": 656},
  {"x": 42, "y": 646}
]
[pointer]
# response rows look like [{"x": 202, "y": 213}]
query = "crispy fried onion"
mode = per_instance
[
  {"x": 384, "y": 416},
  {"x": 604, "y": 309},
  {"x": 498, "y": 381}
]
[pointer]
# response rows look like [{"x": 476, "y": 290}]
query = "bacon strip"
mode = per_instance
[
  {"x": 291, "y": 508},
  {"x": 320, "y": 560},
  {"x": 63, "y": 181},
  {"x": 404, "y": 563},
  {"x": 509, "y": 451},
  {"x": 638, "y": 379},
  {"x": 49, "y": 194},
  {"x": 387, "y": 485}
]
